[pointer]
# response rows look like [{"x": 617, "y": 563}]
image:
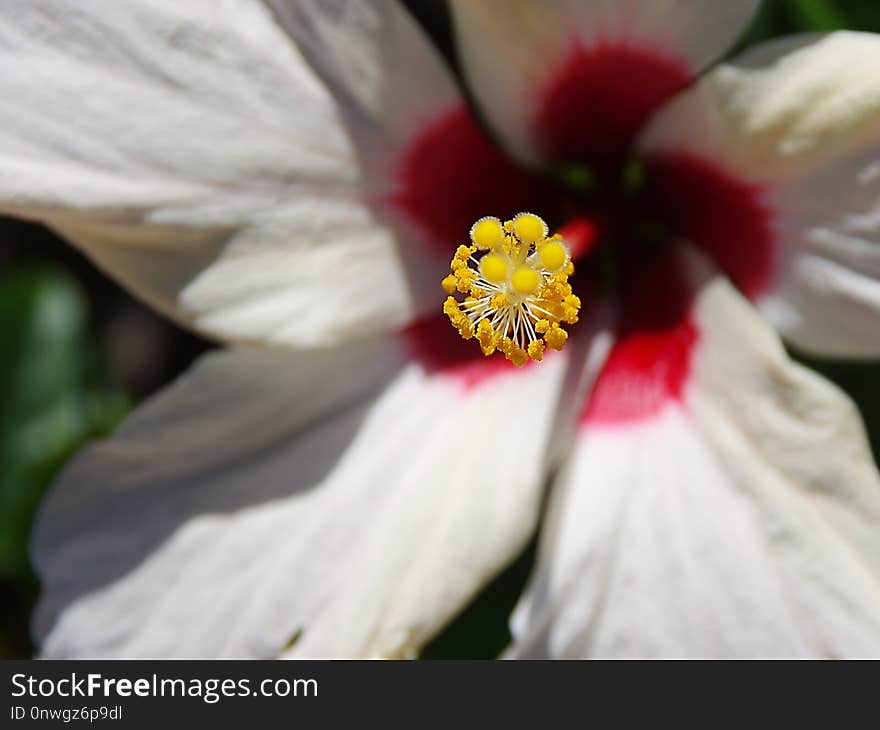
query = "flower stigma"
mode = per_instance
[{"x": 513, "y": 277}]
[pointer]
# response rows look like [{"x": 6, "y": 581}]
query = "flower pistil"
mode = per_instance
[{"x": 514, "y": 278}]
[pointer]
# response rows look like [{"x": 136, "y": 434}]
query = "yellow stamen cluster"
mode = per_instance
[{"x": 514, "y": 278}]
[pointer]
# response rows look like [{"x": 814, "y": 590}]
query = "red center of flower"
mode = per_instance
[
  {"x": 623, "y": 231},
  {"x": 595, "y": 103},
  {"x": 453, "y": 173}
]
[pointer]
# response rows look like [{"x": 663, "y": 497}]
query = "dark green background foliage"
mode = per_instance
[{"x": 76, "y": 351}]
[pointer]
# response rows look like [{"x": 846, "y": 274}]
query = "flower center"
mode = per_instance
[{"x": 514, "y": 280}]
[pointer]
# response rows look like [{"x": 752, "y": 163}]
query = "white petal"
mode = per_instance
[
  {"x": 339, "y": 494},
  {"x": 229, "y": 171},
  {"x": 621, "y": 58},
  {"x": 743, "y": 520},
  {"x": 799, "y": 119}
]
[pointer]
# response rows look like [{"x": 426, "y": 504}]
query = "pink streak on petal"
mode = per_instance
[
  {"x": 650, "y": 364},
  {"x": 594, "y": 104},
  {"x": 726, "y": 217},
  {"x": 581, "y": 235},
  {"x": 453, "y": 173}
]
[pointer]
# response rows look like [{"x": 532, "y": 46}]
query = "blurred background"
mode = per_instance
[{"x": 77, "y": 353}]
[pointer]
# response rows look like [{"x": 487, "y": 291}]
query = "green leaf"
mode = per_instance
[
  {"x": 819, "y": 15},
  {"x": 785, "y": 17},
  {"x": 826, "y": 15},
  {"x": 47, "y": 405}
]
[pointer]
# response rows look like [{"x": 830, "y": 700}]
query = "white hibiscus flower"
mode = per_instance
[{"x": 291, "y": 177}]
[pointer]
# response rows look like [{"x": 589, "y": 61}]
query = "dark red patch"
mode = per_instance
[
  {"x": 650, "y": 362},
  {"x": 598, "y": 99},
  {"x": 453, "y": 173},
  {"x": 435, "y": 344},
  {"x": 726, "y": 217}
]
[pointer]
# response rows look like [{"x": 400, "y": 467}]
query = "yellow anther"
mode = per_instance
[
  {"x": 451, "y": 310},
  {"x": 556, "y": 337},
  {"x": 554, "y": 291},
  {"x": 487, "y": 233},
  {"x": 553, "y": 256},
  {"x": 529, "y": 228},
  {"x": 541, "y": 326},
  {"x": 571, "y": 306},
  {"x": 498, "y": 301},
  {"x": 494, "y": 268},
  {"x": 449, "y": 284},
  {"x": 486, "y": 337},
  {"x": 525, "y": 280},
  {"x": 518, "y": 356},
  {"x": 536, "y": 350},
  {"x": 460, "y": 259}
]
